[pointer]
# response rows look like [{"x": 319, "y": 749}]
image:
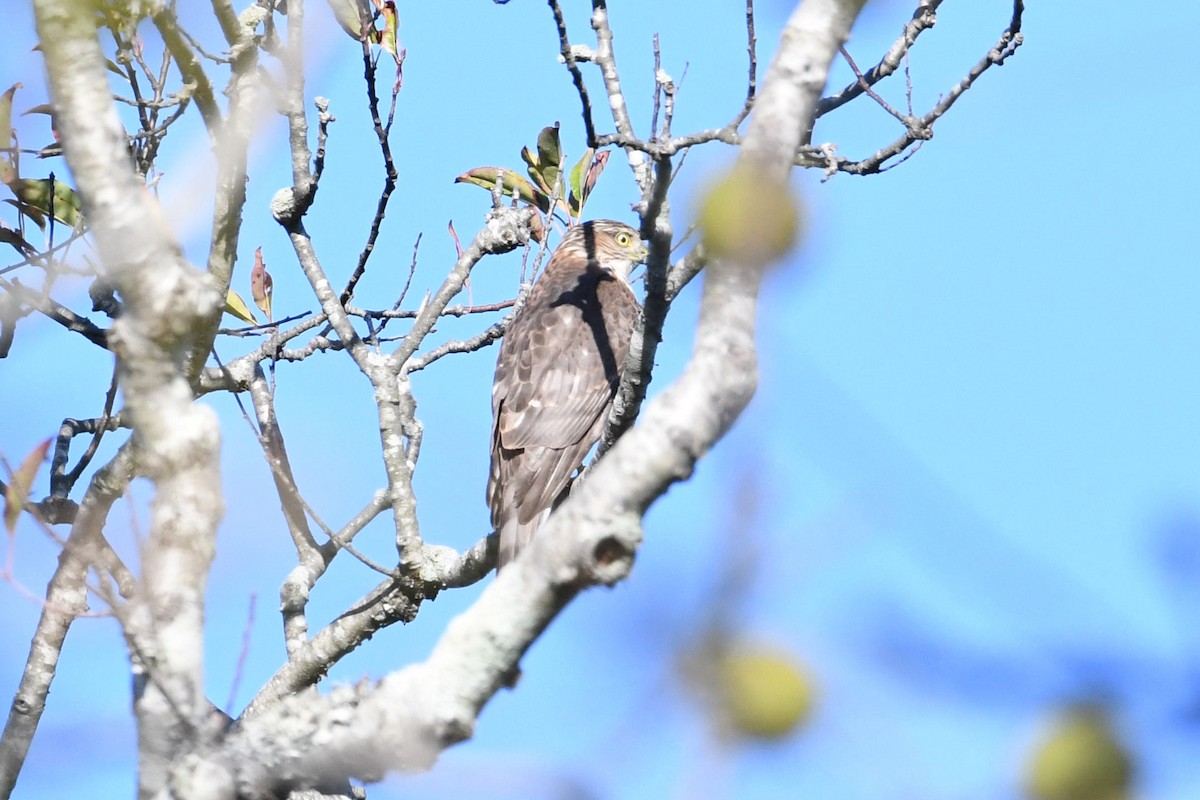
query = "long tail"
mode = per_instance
[{"x": 513, "y": 538}]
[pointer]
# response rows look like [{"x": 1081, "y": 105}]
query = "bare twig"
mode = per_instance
[
  {"x": 923, "y": 18},
  {"x": 866, "y": 87},
  {"x": 921, "y": 129},
  {"x": 243, "y": 653},
  {"x": 567, "y": 53},
  {"x": 389, "y": 167}
]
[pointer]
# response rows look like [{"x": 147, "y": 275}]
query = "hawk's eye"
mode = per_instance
[{"x": 624, "y": 239}]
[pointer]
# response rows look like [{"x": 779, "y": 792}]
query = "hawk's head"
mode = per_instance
[{"x": 605, "y": 243}]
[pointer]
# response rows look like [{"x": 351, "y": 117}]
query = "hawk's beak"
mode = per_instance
[{"x": 643, "y": 254}]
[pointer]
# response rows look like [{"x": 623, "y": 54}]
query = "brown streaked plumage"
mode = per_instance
[{"x": 559, "y": 366}]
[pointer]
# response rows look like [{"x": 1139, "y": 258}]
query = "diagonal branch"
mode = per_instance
[{"x": 66, "y": 598}]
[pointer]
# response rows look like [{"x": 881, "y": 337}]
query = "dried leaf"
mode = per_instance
[
  {"x": 6, "y": 101},
  {"x": 20, "y": 483},
  {"x": 235, "y": 305},
  {"x": 537, "y": 228},
  {"x": 48, "y": 110},
  {"x": 388, "y": 38},
  {"x": 11, "y": 237},
  {"x": 454, "y": 235},
  {"x": 261, "y": 284},
  {"x": 594, "y": 171}
]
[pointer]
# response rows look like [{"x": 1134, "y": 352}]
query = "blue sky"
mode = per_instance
[{"x": 975, "y": 441}]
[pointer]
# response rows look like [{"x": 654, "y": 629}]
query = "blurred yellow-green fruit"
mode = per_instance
[
  {"x": 749, "y": 216},
  {"x": 1080, "y": 759},
  {"x": 763, "y": 693}
]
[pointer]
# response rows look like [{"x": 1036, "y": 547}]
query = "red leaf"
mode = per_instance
[{"x": 261, "y": 284}]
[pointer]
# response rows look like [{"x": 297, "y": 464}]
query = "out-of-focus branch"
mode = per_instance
[
  {"x": 66, "y": 598},
  {"x": 230, "y": 144},
  {"x": 189, "y": 67},
  {"x": 61, "y": 481},
  {"x": 166, "y": 302},
  {"x": 57, "y": 312}
]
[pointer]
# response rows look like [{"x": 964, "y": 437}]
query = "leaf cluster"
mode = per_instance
[{"x": 547, "y": 187}]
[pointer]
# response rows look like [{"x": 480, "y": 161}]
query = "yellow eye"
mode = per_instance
[{"x": 624, "y": 239}]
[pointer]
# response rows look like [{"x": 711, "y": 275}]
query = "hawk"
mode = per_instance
[{"x": 559, "y": 367}]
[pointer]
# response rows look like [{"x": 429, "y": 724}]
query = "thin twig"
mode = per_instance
[
  {"x": 567, "y": 54},
  {"x": 243, "y": 653},
  {"x": 923, "y": 19},
  {"x": 105, "y": 423},
  {"x": 390, "y": 174}
]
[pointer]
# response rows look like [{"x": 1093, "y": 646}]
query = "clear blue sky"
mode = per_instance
[{"x": 975, "y": 441}]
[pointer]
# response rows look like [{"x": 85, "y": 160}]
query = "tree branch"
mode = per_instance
[
  {"x": 66, "y": 598},
  {"x": 166, "y": 302}
]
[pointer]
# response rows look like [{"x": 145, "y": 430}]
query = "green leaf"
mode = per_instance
[
  {"x": 236, "y": 306},
  {"x": 529, "y": 157},
  {"x": 354, "y": 16},
  {"x": 488, "y": 177},
  {"x": 549, "y": 157},
  {"x": 533, "y": 167},
  {"x": 38, "y": 217},
  {"x": 40, "y": 194},
  {"x": 6, "y": 101},
  {"x": 577, "y": 197}
]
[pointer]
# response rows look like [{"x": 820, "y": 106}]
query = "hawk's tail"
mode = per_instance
[{"x": 514, "y": 536}]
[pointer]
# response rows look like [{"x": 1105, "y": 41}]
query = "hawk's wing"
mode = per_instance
[{"x": 558, "y": 369}]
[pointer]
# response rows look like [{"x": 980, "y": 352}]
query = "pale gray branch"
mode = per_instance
[{"x": 166, "y": 302}]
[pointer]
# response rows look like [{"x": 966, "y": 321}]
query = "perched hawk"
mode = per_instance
[{"x": 558, "y": 369}]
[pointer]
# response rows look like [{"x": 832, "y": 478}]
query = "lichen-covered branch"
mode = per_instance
[{"x": 176, "y": 440}]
